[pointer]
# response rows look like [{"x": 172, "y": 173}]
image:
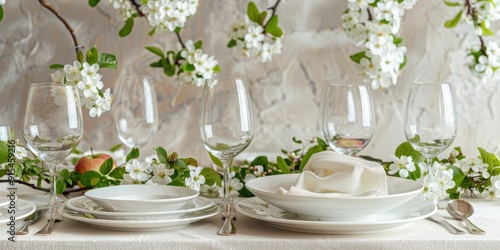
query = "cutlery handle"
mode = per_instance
[
  {"x": 229, "y": 213},
  {"x": 23, "y": 229},
  {"x": 473, "y": 229},
  {"x": 450, "y": 227}
]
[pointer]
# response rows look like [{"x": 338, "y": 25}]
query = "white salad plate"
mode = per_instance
[
  {"x": 85, "y": 205},
  {"x": 415, "y": 209},
  {"x": 22, "y": 210},
  {"x": 141, "y": 198},
  {"x": 142, "y": 225},
  {"x": 359, "y": 208}
]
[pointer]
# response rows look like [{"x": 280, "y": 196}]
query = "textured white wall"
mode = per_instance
[{"x": 286, "y": 91}]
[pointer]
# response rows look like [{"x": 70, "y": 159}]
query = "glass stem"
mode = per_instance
[
  {"x": 53, "y": 195},
  {"x": 227, "y": 180}
]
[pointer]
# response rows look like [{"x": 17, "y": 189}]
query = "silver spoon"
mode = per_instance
[{"x": 461, "y": 210}]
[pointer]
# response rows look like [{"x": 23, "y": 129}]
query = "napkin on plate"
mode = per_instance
[{"x": 330, "y": 174}]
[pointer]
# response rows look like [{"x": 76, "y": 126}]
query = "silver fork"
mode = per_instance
[
  {"x": 47, "y": 229},
  {"x": 229, "y": 213}
]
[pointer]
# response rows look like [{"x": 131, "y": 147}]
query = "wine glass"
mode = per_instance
[
  {"x": 135, "y": 110},
  {"x": 347, "y": 119},
  {"x": 53, "y": 125},
  {"x": 430, "y": 122},
  {"x": 226, "y": 127}
]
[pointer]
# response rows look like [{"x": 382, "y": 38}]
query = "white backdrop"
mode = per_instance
[{"x": 286, "y": 91}]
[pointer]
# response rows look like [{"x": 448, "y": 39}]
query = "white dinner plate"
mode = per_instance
[
  {"x": 4, "y": 201},
  {"x": 359, "y": 208},
  {"x": 22, "y": 210},
  {"x": 414, "y": 210},
  {"x": 85, "y": 205},
  {"x": 141, "y": 198},
  {"x": 142, "y": 225}
]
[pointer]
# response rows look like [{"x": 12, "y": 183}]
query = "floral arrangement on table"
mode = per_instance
[{"x": 451, "y": 177}]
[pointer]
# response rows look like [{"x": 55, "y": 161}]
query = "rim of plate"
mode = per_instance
[
  {"x": 340, "y": 223},
  {"x": 191, "y": 193},
  {"x": 206, "y": 203},
  {"x": 27, "y": 213}
]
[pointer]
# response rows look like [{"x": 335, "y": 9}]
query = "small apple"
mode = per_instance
[{"x": 91, "y": 162}]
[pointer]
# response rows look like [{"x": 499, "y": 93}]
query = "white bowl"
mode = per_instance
[
  {"x": 141, "y": 198},
  {"x": 333, "y": 208}
]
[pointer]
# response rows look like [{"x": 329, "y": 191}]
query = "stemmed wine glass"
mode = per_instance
[
  {"x": 226, "y": 128},
  {"x": 53, "y": 126},
  {"x": 135, "y": 110},
  {"x": 346, "y": 118},
  {"x": 430, "y": 122}
]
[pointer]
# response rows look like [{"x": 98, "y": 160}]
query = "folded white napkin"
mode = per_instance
[{"x": 330, "y": 174}]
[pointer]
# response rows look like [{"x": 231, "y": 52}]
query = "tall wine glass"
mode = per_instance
[
  {"x": 53, "y": 125},
  {"x": 347, "y": 120},
  {"x": 430, "y": 122},
  {"x": 135, "y": 110},
  {"x": 226, "y": 125}
]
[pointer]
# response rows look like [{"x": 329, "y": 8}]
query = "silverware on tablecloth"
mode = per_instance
[
  {"x": 24, "y": 228},
  {"x": 281, "y": 214},
  {"x": 229, "y": 213},
  {"x": 461, "y": 210},
  {"x": 439, "y": 219},
  {"x": 47, "y": 229}
]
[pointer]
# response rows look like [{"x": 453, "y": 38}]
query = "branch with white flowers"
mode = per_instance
[
  {"x": 383, "y": 53},
  {"x": 483, "y": 57}
]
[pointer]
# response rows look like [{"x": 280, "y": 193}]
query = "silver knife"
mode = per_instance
[
  {"x": 23, "y": 229},
  {"x": 439, "y": 219}
]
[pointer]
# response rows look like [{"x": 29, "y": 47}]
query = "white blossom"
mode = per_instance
[
  {"x": 20, "y": 152},
  {"x": 138, "y": 170},
  {"x": 403, "y": 166},
  {"x": 161, "y": 175}
]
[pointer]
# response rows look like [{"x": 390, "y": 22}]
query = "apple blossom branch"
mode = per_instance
[
  {"x": 46, "y": 4},
  {"x": 273, "y": 11},
  {"x": 472, "y": 13}
]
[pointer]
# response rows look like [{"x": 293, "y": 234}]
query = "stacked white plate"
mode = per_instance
[
  {"x": 140, "y": 207},
  {"x": 335, "y": 215},
  {"x": 17, "y": 208}
]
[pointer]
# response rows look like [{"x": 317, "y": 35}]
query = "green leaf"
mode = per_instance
[
  {"x": 64, "y": 173},
  {"x": 217, "y": 68},
  {"x": 405, "y": 149},
  {"x": 92, "y": 56},
  {"x": 282, "y": 165},
  {"x": 93, "y": 3},
  {"x": 253, "y": 12},
  {"x": 452, "y": 4},
  {"x": 215, "y": 160},
  {"x": 168, "y": 69},
  {"x": 156, "y": 51},
  {"x": 60, "y": 185},
  {"x": 134, "y": 154},
  {"x": 486, "y": 31},
  {"x": 358, "y": 56},
  {"x": 180, "y": 163},
  {"x": 198, "y": 44},
  {"x": 272, "y": 27},
  {"x": 107, "y": 61},
  {"x": 211, "y": 176},
  {"x": 454, "y": 22},
  {"x": 405, "y": 59},
  {"x": 157, "y": 64},
  {"x": 127, "y": 27},
  {"x": 162, "y": 155},
  {"x": 231, "y": 43},
  {"x": 117, "y": 173},
  {"x": 56, "y": 66},
  {"x": 309, "y": 153},
  {"x": 106, "y": 166},
  {"x": 188, "y": 67},
  {"x": 262, "y": 17},
  {"x": 1, "y": 13},
  {"x": 296, "y": 140},
  {"x": 90, "y": 178},
  {"x": 190, "y": 161},
  {"x": 261, "y": 160},
  {"x": 79, "y": 56},
  {"x": 116, "y": 147},
  {"x": 3, "y": 172},
  {"x": 321, "y": 143},
  {"x": 397, "y": 40},
  {"x": 75, "y": 176},
  {"x": 4, "y": 152}
]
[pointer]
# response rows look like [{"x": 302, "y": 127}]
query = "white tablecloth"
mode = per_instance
[{"x": 253, "y": 234}]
